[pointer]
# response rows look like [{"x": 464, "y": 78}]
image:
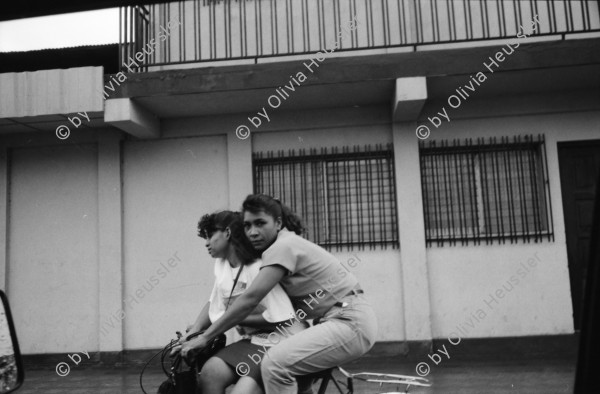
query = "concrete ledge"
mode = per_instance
[{"x": 132, "y": 118}]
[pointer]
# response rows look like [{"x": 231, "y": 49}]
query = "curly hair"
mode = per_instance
[
  {"x": 255, "y": 203},
  {"x": 220, "y": 221}
]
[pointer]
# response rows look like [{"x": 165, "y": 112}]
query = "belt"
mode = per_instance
[{"x": 351, "y": 293}]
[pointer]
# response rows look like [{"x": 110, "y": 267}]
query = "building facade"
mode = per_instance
[{"x": 445, "y": 152}]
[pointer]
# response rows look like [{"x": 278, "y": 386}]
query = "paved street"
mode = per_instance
[{"x": 488, "y": 376}]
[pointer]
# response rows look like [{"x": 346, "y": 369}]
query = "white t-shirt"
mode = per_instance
[{"x": 275, "y": 306}]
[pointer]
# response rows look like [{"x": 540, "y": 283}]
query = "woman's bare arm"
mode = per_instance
[{"x": 202, "y": 322}]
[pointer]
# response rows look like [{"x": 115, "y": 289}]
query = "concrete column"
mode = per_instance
[
  {"x": 417, "y": 304},
  {"x": 239, "y": 163},
  {"x": 110, "y": 270},
  {"x": 3, "y": 215}
]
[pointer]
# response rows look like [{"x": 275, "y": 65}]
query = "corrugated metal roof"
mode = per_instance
[{"x": 106, "y": 56}]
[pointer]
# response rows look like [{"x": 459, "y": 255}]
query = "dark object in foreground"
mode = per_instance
[
  {"x": 586, "y": 380},
  {"x": 11, "y": 365},
  {"x": 183, "y": 381}
]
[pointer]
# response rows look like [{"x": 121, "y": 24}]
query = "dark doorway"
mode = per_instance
[{"x": 579, "y": 169}]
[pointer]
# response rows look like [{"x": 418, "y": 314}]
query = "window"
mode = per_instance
[
  {"x": 345, "y": 199},
  {"x": 485, "y": 191}
]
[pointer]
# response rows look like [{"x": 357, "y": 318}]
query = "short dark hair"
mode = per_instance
[{"x": 220, "y": 221}]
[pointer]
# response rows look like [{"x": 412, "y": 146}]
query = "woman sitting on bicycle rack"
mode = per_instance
[
  {"x": 319, "y": 287},
  {"x": 237, "y": 263}
]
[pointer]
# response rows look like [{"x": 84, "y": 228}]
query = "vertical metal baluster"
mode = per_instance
[
  {"x": 304, "y": 189},
  {"x": 370, "y": 209},
  {"x": 291, "y": 165},
  {"x": 242, "y": 25},
  {"x": 348, "y": 190},
  {"x": 487, "y": 20},
  {"x": 290, "y": 27},
  {"x": 275, "y": 20},
  {"x": 211, "y": 27},
  {"x": 353, "y": 35},
  {"x": 401, "y": 21},
  {"x": 320, "y": 13},
  {"x": 305, "y": 30},
  {"x": 386, "y": 22},
  {"x": 195, "y": 7},
  {"x": 585, "y": 15},
  {"x": 533, "y": 174},
  {"x": 568, "y": 17},
  {"x": 551, "y": 16},
  {"x": 531, "y": 7},
  {"x": 498, "y": 192},
  {"x": 464, "y": 183},
  {"x": 419, "y": 16},
  {"x": 370, "y": 31},
  {"x": 486, "y": 152},
  {"x": 503, "y": 18},
  {"x": 198, "y": 30},
  {"x": 437, "y": 184},
  {"x": 457, "y": 181},
  {"x": 429, "y": 161},
  {"x": 468, "y": 22},
  {"x": 337, "y": 17},
  {"x": 130, "y": 18},
  {"x": 229, "y": 41},
  {"x": 360, "y": 188},
  {"x": 469, "y": 11},
  {"x": 393, "y": 210},
  {"x": 535, "y": 5},
  {"x": 271, "y": 190},
  {"x": 427, "y": 187},
  {"x": 528, "y": 188},
  {"x": 517, "y": 13},
  {"x": 470, "y": 158},
  {"x": 123, "y": 51},
  {"x": 256, "y": 168},
  {"x": 168, "y": 40},
  {"x": 314, "y": 187},
  {"x": 451, "y": 21},
  {"x": 434, "y": 21},
  {"x": 449, "y": 203},
  {"x": 382, "y": 224},
  {"x": 181, "y": 33},
  {"x": 258, "y": 27},
  {"x": 336, "y": 164},
  {"x": 507, "y": 187},
  {"x": 519, "y": 171}
]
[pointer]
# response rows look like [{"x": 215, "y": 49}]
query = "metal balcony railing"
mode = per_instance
[{"x": 211, "y": 30}]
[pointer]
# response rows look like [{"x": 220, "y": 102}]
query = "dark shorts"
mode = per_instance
[{"x": 242, "y": 357}]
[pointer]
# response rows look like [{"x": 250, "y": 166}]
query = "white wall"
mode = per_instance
[
  {"x": 53, "y": 270},
  {"x": 167, "y": 186},
  {"x": 463, "y": 277},
  {"x": 52, "y": 251}
]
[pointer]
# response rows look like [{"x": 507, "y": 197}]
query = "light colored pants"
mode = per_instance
[{"x": 344, "y": 334}]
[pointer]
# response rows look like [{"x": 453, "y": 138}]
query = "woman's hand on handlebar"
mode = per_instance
[{"x": 190, "y": 347}]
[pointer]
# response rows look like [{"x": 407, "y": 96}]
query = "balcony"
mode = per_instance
[{"x": 197, "y": 31}]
